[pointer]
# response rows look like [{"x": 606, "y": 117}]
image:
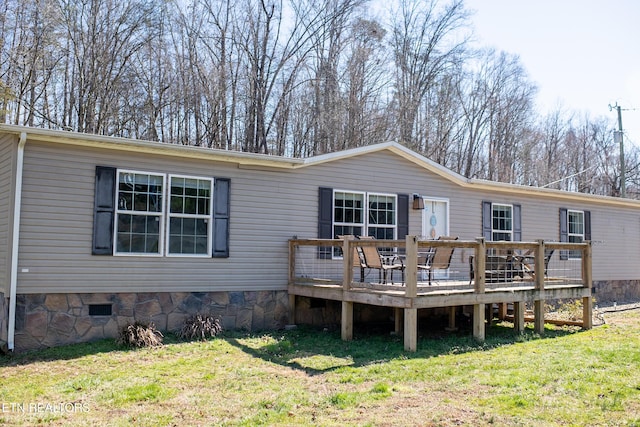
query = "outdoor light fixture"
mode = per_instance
[{"x": 418, "y": 201}]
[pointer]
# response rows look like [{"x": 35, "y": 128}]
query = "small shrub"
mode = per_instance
[
  {"x": 140, "y": 335},
  {"x": 200, "y": 327}
]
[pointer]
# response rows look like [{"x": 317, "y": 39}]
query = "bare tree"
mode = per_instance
[{"x": 426, "y": 43}]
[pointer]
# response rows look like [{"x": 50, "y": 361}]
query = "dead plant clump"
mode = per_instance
[
  {"x": 200, "y": 327},
  {"x": 139, "y": 335}
]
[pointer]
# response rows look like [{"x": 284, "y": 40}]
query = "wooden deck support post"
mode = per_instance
[
  {"x": 587, "y": 302},
  {"x": 518, "y": 316},
  {"x": 346, "y": 322},
  {"x": 502, "y": 310},
  {"x": 538, "y": 308},
  {"x": 479, "y": 287},
  {"x": 292, "y": 279},
  {"x": 478, "y": 322},
  {"x": 292, "y": 309},
  {"x": 410, "y": 329},
  {"x": 397, "y": 318},
  {"x": 411, "y": 292},
  {"x": 452, "y": 319}
]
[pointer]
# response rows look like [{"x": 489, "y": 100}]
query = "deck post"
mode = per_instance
[
  {"x": 587, "y": 302},
  {"x": 347, "y": 264},
  {"x": 292, "y": 309},
  {"x": 538, "y": 305},
  {"x": 518, "y": 316},
  {"x": 292, "y": 279},
  {"x": 411, "y": 291},
  {"x": 478, "y": 322},
  {"x": 479, "y": 288},
  {"x": 411, "y": 267},
  {"x": 397, "y": 318},
  {"x": 346, "y": 324},
  {"x": 502, "y": 310},
  {"x": 410, "y": 329},
  {"x": 292, "y": 261},
  {"x": 452, "y": 319}
]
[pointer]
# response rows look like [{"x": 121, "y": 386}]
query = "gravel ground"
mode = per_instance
[{"x": 617, "y": 306}]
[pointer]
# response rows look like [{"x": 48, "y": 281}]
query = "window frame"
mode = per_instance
[
  {"x": 495, "y": 230},
  {"x": 394, "y": 227},
  {"x": 365, "y": 225},
  {"x": 208, "y": 217},
  {"x": 118, "y": 211},
  {"x": 575, "y": 254},
  {"x": 335, "y": 223},
  {"x": 164, "y": 215}
]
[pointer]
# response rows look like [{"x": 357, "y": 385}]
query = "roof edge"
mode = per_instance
[{"x": 151, "y": 147}]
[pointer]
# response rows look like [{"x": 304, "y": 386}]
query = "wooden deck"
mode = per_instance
[{"x": 317, "y": 269}]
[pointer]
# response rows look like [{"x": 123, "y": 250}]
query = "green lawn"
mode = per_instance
[{"x": 306, "y": 376}]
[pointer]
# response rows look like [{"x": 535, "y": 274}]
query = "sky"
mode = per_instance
[{"x": 583, "y": 55}]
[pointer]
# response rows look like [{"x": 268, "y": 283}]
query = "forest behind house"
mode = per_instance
[{"x": 299, "y": 78}]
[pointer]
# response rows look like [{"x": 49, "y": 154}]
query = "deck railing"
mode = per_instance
[{"x": 475, "y": 265}]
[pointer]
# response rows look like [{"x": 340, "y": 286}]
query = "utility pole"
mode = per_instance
[{"x": 617, "y": 137}]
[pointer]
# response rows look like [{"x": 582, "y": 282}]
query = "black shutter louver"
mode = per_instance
[
  {"x": 104, "y": 210},
  {"x": 221, "y": 214}
]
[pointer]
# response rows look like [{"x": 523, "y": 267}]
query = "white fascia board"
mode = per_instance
[{"x": 152, "y": 147}]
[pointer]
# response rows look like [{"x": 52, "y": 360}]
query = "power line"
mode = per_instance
[{"x": 570, "y": 176}]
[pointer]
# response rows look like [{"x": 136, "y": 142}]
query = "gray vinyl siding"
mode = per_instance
[
  {"x": 8, "y": 149},
  {"x": 268, "y": 207}
]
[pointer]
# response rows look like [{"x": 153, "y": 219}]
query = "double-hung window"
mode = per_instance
[
  {"x": 154, "y": 217},
  {"x": 139, "y": 213},
  {"x": 189, "y": 227},
  {"x": 348, "y": 213},
  {"x": 502, "y": 222},
  {"x": 382, "y": 216},
  {"x": 575, "y": 230}
]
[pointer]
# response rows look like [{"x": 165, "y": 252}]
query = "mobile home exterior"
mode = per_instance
[{"x": 97, "y": 231}]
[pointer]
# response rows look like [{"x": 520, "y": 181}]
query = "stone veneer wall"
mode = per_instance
[
  {"x": 616, "y": 290},
  {"x": 46, "y": 320}
]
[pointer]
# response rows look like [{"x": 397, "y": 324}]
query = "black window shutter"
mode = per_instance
[
  {"x": 564, "y": 232},
  {"x": 517, "y": 223},
  {"x": 403, "y": 216},
  {"x": 587, "y": 225},
  {"x": 104, "y": 210},
  {"x": 486, "y": 220},
  {"x": 221, "y": 211},
  {"x": 325, "y": 219}
]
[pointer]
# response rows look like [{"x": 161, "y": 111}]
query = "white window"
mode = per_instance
[
  {"x": 348, "y": 213},
  {"x": 575, "y": 230},
  {"x": 364, "y": 214},
  {"x": 502, "y": 222},
  {"x": 139, "y": 213},
  {"x": 382, "y": 216},
  {"x": 144, "y": 200},
  {"x": 189, "y": 225}
]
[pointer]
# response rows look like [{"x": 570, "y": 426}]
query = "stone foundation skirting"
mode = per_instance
[
  {"x": 47, "y": 320},
  {"x": 616, "y": 291}
]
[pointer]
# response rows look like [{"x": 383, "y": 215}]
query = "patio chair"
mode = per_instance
[
  {"x": 527, "y": 263},
  {"x": 440, "y": 259},
  {"x": 372, "y": 259},
  {"x": 358, "y": 256},
  {"x": 498, "y": 268}
]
